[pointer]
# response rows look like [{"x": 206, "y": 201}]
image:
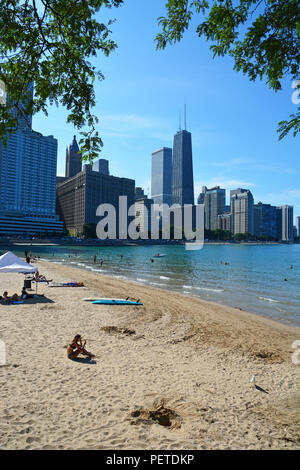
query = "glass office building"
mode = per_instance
[
  {"x": 161, "y": 177},
  {"x": 182, "y": 180},
  {"x": 28, "y": 182},
  {"x": 265, "y": 221}
]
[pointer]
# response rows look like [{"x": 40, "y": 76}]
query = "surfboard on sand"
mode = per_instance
[
  {"x": 116, "y": 302},
  {"x": 92, "y": 299}
]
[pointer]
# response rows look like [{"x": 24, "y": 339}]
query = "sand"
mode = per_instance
[{"x": 172, "y": 374}]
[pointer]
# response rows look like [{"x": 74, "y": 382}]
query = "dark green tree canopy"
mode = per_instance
[
  {"x": 51, "y": 43},
  {"x": 262, "y": 36}
]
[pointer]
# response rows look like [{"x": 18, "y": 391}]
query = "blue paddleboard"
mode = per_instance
[{"x": 116, "y": 302}]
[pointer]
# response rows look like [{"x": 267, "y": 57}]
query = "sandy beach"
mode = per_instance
[{"x": 172, "y": 374}]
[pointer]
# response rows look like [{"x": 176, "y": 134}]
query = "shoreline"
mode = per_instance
[
  {"x": 187, "y": 356},
  {"x": 221, "y": 304},
  {"x": 129, "y": 242},
  {"x": 133, "y": 283}
]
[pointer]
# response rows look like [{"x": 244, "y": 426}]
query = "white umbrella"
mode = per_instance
[{"x": 10, "y": 263}]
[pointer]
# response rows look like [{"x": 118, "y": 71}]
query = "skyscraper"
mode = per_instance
[
  {"x": 201, "y": 198},
  {"x": 28, "y": 180},
  {"x": 18, "y": 111},
  {"x": 242, "y": 211},
  {"x": 143, "y": 215},
  {"x": 183, "y": 180},
  {"x": 224, "y": 221},
  {"x": 161, "y": 177},
  {"x": 139, "y": 193},
  {"x": 78, "y": 197},
  {"x": 73, "y": 159},
  {"x": 287, "y": 223},
  {"x": 265, "y": 221},
  {"x": 298, "y": 226},
  {"x": 279, "y": 222},
  {"x": 214, "y": 205},
  {"x": 102, "y": 166}
]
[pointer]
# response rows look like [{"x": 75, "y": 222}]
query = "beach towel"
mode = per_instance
[{"x": 66, "y": 284}]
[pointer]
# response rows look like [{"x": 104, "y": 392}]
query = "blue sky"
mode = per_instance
[{"x": 233, "y": 121}]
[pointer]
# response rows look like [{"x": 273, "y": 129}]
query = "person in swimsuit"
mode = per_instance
[
  {"x": 39, "y": 278},
  {"x": 12, "y": 298},
  {"x": 76, "y": 347}
]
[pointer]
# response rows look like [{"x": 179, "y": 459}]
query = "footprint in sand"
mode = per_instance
[
  {"x": 117, "y": 330},
  {"x": 30, "y": 440},
  {"x": 159, "y": 414}
]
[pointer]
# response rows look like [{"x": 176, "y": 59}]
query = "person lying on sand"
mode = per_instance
[
  {"x": 76, "y": 347},
  {"x": 12, "y": 298}
]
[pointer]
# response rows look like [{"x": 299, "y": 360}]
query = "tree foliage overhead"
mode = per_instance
[
  {"x": 262, "y": 36},
  {"x": 51, "y": 43}
]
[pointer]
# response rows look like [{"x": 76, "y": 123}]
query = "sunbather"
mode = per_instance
[
  {"x": 76, "y": 347},
  {"x": 12, "y": 298},
  {"x": 39, "y": 277}
]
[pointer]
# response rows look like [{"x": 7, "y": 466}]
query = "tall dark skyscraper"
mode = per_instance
[
  {"x": 183, "y": 180},
  {"x": 73, "y": 159}
]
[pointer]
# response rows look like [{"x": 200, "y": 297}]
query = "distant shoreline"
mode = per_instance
[{"x": 119, "y": 243}]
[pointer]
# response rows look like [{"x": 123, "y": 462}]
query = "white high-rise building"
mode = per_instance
[
  {"x": 242, "y": 211},
  {"x": 214, "y": 203},
  {"x": 287, "y": 223},
  {"x": 298, "y": 226},
  {"x": 161, "y": 177}
]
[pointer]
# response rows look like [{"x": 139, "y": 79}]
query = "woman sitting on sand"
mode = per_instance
[{"x": 76, "y": 347}]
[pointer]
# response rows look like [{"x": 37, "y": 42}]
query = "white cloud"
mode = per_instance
[
  {"x": 233, "y": 162},
  {"x": 289, "y": 196},
  {"x": 253, "y": 164}
]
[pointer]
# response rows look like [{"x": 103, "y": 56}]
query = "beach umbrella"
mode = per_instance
[{"x": 10, "y": 263}]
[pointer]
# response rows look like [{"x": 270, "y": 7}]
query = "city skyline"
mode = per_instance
[
  {"x": 233, "y": 121},
  {"x": 165, "y": 156}
]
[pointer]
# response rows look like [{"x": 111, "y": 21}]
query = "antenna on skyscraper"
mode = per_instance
[
  {"x": 185, "y": 117},
  {"x": 179, "y": 120}
]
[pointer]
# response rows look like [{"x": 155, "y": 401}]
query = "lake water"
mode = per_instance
[{"x": 253, "y": 280}]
